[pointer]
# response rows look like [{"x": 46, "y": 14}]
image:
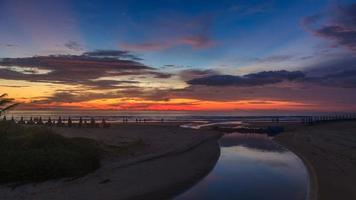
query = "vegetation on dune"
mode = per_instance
[{"x": 37, "y": 154}]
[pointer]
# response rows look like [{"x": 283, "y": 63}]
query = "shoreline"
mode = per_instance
[
  {"x": 312, "y": 190},
  {"x": 172, "y": 159},
  {"x": 174, "y": 190},
  {"x": 328, "y": 152}
]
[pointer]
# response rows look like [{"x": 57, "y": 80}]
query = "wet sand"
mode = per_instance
[
  {"x": 329, "y": 152},
  {"x": 163, "y": 160}
]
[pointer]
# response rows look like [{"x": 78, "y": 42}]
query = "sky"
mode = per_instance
[{"x": 179, "y": 55}]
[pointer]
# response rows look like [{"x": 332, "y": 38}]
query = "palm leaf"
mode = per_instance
[
  {"x": 3, "y": 95},
  {"x": 4, "y": 101},
  {"x": 8, "y": 107}
]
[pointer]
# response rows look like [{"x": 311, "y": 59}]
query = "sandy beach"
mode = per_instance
[
  {"x": 158, "y": 161},
  {"x": 329, "y": 152}
]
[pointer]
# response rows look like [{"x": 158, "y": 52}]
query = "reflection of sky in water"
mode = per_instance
[{"x": 252, "y": 167}]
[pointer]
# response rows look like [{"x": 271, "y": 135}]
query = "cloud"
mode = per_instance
[
  {"x": 332, "y": 91},
  {"x": 171, "y": 66},
  {"x": 8, "y": 45},
  {"x": 73, "y": 45},
  {"x": 335, "y": 76},
  {"x": 14, "y": 86},
  {"x": 275, "y": 58},
  {"x": 127, "y": 92},
  {"x": 87, "y": 69},
  {"x": 340, "y": 29},
  {"x": 172, "y": 31},
  {"x": 311, "y": 20},
  {"x": 331, "y": 65},
  {"x": 255, "y": 79},
  {"x": 196, "y": 42},
  {"x": 306, "y": 92},
  {"x": 190, "y": 74},
  {"x": 146, "y": 46},
  {"x": 346, "y": 79},
  {"x": 112, "y": 54}
]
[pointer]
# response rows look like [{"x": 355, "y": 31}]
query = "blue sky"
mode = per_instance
[
  {"x": 239, "y": 31},
  {"x": 178, "y": 41}
]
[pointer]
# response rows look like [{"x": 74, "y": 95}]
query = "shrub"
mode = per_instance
[{"x": 37, "y": 154}]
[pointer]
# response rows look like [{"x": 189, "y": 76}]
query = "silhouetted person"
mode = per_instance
[
  {"x": 49, "y": 122},
  {"x": 30, "y": 121},
  {"x": 69, "y": 122},
  {"x": 80, "y": 123},
  {"x": 21, "y": 121},
  {"x": 104, "y": 124},
  {"x": 59, "y": 122},
  {"x": 92, "y": 122},
  {"x": 40, "y": 122},
  {"x": 4, "y": 118}
]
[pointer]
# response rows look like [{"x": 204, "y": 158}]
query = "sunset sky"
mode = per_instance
[{"x": 179, "y": 55}]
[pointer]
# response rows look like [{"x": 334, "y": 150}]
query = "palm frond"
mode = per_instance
[
  {"x": 3, "y": 95},
  {"x": 5, "y": 101},
  {"x": 8, "y": 107}
]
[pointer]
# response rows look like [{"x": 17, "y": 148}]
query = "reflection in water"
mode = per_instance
[
  {"x": 256, "y": 141},
  {"x": 251, "y": 166}
]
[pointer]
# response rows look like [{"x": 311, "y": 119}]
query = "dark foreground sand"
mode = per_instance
[
  {"x": 329, "y": 151},
  {"x": 165, "y": 160}
]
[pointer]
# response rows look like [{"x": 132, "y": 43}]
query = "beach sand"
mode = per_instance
[
  {"x": 329, "y": 151},
  {"x": 165, "y": 159}
]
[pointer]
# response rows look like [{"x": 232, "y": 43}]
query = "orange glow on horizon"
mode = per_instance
[{"x": 137, "y": 104}]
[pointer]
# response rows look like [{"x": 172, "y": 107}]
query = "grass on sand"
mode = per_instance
[{"x": 34, "y": 154}]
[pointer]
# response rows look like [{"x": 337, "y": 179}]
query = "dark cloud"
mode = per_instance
[
  {"x": 324, "y": 75},
  {"x": 190, "y": 74},
  {"x": 255, "y": 79},
  {"x": 73, "y": 45},
  {"x": 77, "y": 95},
  {"x": 14, "y": 86},
  {"x": 341, "y": 29},
  {"x": 87, "y": 69},
  {"x": 346, "y": 79},
  {"x": 330, "y": 66},
  {"x": 337, "y": 89},
  {"x": 306, "y": 92},
  {"x": 8, "y": 45},
  {"x": 112, "y": 54}
]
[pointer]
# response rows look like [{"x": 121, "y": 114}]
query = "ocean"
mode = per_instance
[{"x": 150, "y": 116}]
